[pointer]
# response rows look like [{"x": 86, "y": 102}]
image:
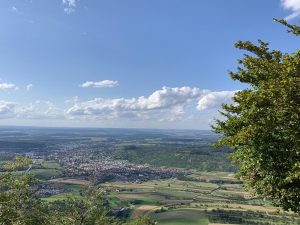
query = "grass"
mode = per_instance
[
  {"x": 51, "y": 165},
  {"x": 181, "y": 217},
  {"x": 71, "y": 190},
  {"x": 183, "y": 221},
  {"x": 73, "y": 187},
  {"x": 116, "y": 202},
  {"x": 178, "y": 194},
  {"x": 141, "y": 198},
  {"x": 58, "y": 197},
  {"x": 46, "y": 174}
]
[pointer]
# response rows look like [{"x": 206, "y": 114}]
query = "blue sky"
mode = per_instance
[{"x": 128, "y": 63}]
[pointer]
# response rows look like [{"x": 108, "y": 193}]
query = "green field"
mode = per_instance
[
  {"x": 46, "y": 174},
  {"x": 183, "y": 221},
  {"x": 181, "y": 217}
]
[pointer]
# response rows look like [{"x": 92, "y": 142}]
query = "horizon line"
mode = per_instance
[{"x": 116, "y": 128}]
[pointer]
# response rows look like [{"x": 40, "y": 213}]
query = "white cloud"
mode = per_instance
[
  {"x": 7, "y": 109},
  {"x": 215, "y": 99},
  {"x": 164, "y": 103},
  {"x": 294, "y": 6},
  {"x": 29, "y": 86},
  {"x": 69, "y": 6},
  {"x": 7, "y": 86},
  {"x": 100, "y": 84}
]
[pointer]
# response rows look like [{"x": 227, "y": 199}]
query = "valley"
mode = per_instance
[{"x": 175, "y": 177}]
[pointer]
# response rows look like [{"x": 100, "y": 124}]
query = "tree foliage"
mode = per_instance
[
  {"x": 143, "y": 220},
  {"x": 263, "y": 123},
  {"x": 18, "y": 204},
  {"x": 89, "y": 208},
  {"x": 294, "y": 29}
]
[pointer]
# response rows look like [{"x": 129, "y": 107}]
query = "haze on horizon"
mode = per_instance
[{"x": 128, "y": 64}]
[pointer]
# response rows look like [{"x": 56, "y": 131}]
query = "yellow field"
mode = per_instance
[
  {"x": 70, "y": 181},
  {"x": 144, "y": 209}
]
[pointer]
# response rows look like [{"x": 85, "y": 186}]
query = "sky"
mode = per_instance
[{"x": 128, "y": 63}]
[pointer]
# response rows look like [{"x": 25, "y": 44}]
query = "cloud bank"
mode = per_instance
[
  {"x": 169, "y": 106},
  {"x": 166, "y": 98},
  {"x": 166, "y": 104}
]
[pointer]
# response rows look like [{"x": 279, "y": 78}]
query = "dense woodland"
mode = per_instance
[{"x": 201, "y": 157}]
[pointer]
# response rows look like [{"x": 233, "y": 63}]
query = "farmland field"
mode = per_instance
[
  {"x": 218, "y": 200},
  {"x": 182, "y": 217}
]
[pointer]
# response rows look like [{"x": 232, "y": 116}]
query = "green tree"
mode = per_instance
[
  {"x": 142, "y": 220},
  {"x": 263, "y": 123},
  {"x": 294, "y": 29},
  {"x": 18, "y": 203},
  {"x": 90, "y": 208}
]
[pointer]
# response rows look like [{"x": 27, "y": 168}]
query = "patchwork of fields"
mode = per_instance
[
  {"x": 132, "y": 163},
  {"x": 217, "y": 199},
  {"x": 209, "y": 198}
]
